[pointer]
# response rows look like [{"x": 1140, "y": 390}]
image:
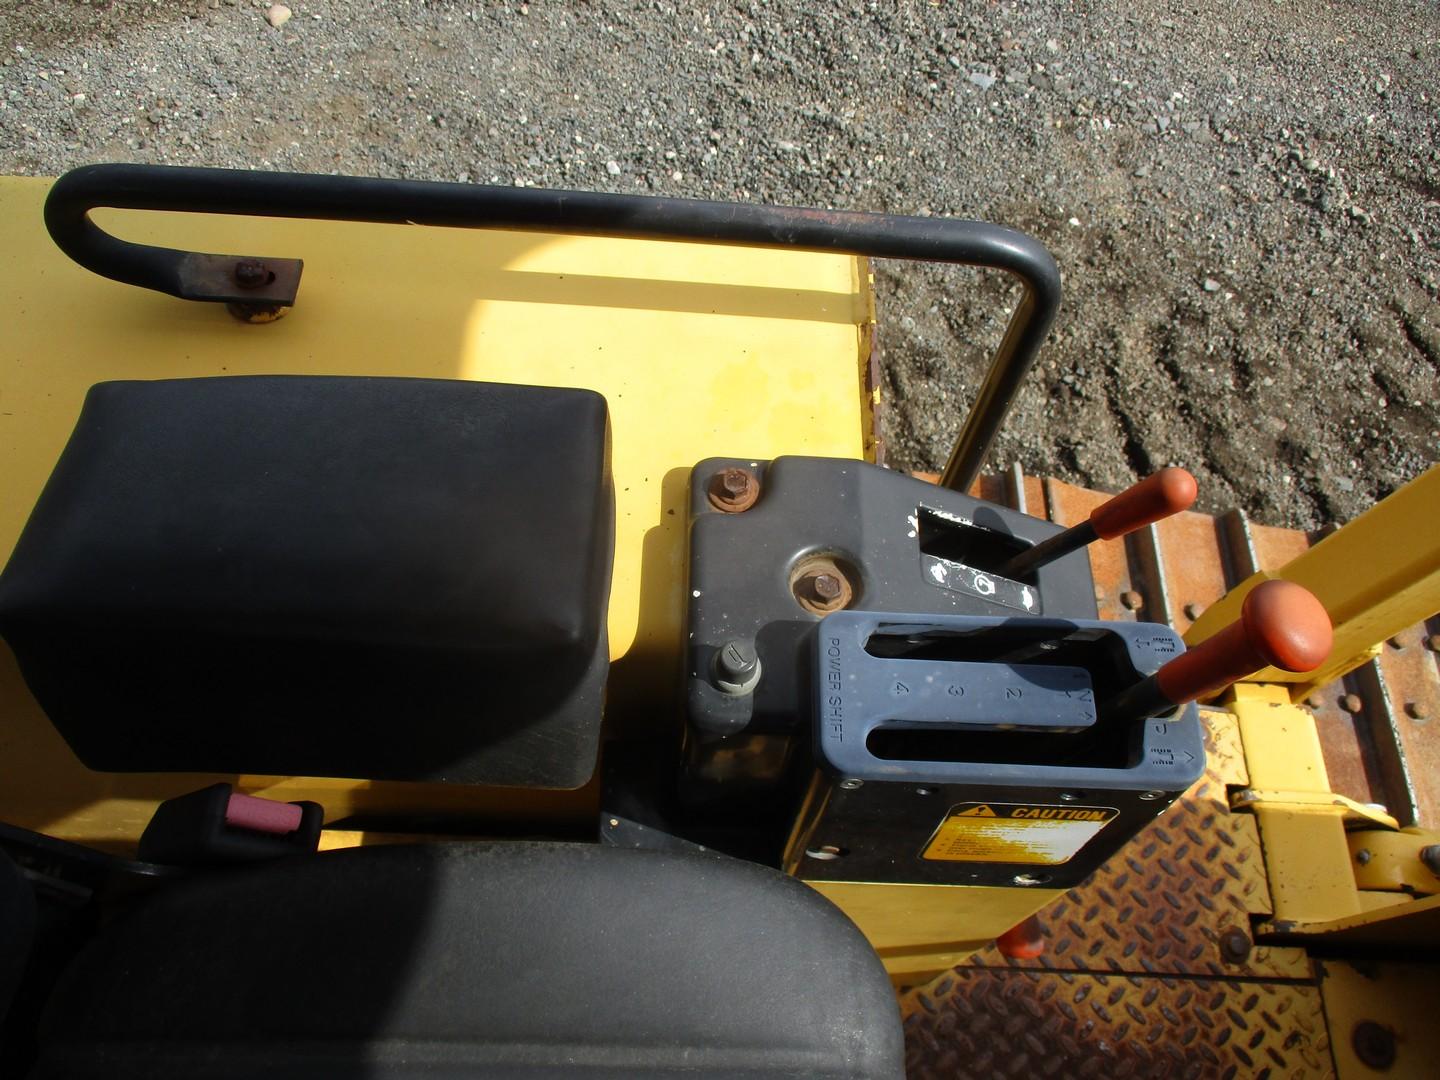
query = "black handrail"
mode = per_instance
[{"x": 259, "y": 281}]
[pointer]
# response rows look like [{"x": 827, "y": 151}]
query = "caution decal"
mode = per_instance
[{"x": 1016, "y": 832}]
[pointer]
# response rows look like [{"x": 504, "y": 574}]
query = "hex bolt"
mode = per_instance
[
  {"x": 733, "y": 490},
  {"x": 737, "y": 667},
  {"x": 1430, "y": 856},
  {"x": 1433, "y": 643},
  {"x": 1192, "y": 611},
  {"x": 1315, "y": 701},
  {"x": 827, "y": 587},
  {"x": 1235, "y": 946},
  {"x": 251, "y": 274},
  {"x": 820, "y": 586},
  {"x": 1416, "y": 710},
  {"x": 1351, "y": 703},
  {"x": 1363, "y": 856},
  {"x": 1374, "y": 1045},
  {"x": 1396, "y": 642},
  {"x": 1131, "y": 599},
  {"x": 736, "y": 482}
]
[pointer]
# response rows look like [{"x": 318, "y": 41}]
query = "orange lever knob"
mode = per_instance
[
  {"x": 1167, "y": 492},
  {"x": 1281, "y": 625},
  {"x": 1023, "y": 941}
]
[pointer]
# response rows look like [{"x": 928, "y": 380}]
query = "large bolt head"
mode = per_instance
[
  {"x": 735, "y": 482},
  {"x": 251, "y": 274},
  {"x": 733, "y": 490}
]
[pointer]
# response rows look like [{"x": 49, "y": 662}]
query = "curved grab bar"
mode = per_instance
[{"x": 261, "y": 282}]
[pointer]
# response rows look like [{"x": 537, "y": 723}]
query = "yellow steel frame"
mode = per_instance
[
  {"x": 1343, "y": 875},
  {"x": 1320, "y": 884},
  {"x": 1306, "y": 856},
  {"x": 1376, "y": 576},
  {"x": 1391, "y": 861}
]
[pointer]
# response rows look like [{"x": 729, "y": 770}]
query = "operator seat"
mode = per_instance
[{"x": 477, "y": 960}]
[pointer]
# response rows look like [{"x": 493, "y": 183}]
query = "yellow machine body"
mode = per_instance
[
  {"x": 701, "y": 351},
  {"x": 698, "y": 349}
]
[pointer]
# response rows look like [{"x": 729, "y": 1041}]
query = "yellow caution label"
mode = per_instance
[{"x": 1016, "y": 832}]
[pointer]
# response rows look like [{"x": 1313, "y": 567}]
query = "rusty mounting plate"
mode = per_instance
[{"x": 218, "y": 278}]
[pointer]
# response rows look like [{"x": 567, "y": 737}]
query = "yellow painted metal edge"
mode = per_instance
[
  {"x": 1307, "y": 860},
  {"x": 1349, "y": 810},
  {"x": 1316, "y": 884},
  {"x": 1402, "y": 923},
  {"x": 1376, "y": 576},
  {"x": 1391, "y": 861}
]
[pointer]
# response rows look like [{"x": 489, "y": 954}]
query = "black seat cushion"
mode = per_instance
[
  {"x": 359, "y": 577},
  {"x": 478, "y": 960}
]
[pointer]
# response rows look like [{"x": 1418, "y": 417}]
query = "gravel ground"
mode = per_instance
[{"x": 1244, "y": 198}]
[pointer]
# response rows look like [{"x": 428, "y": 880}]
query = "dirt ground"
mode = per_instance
[{"x": 1244, "y": 198}]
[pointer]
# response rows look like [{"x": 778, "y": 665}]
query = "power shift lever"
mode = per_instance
[
  {"x": 1281, "y": 625},
  {"x": 1167, "y": 492}
]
